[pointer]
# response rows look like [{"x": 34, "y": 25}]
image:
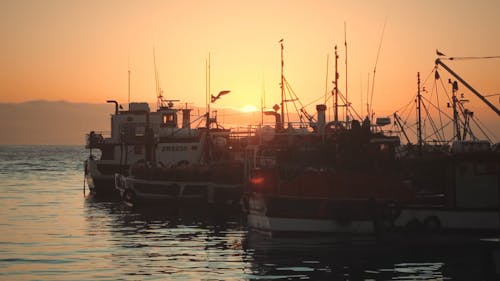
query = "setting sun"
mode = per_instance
[{"x": 248, "y": 108}]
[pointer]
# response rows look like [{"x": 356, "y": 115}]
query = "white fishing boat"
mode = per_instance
[
  {"x": 112, "y": 152},
  {"x": 218, "y": 183},
  {"x": 184, "y": 164}
]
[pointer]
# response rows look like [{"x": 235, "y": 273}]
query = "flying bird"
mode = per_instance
[
  {"x": 221, "y": 93},
  {"x": 439, "y": 53}
]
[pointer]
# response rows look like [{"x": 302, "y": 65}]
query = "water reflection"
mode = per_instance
[
  {"x": 173, "y": 243},
  {"x": 49, "y": 231},
  {"x": 204, "y": 244}
]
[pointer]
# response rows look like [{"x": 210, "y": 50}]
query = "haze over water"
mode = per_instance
[{"x": 50, "y": 231}]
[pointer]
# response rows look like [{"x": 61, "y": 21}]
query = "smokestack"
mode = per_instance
[
  {"x": 186, "y": 118},
  {"x": 321, "y": 108}
]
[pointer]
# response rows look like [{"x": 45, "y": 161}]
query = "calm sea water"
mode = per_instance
[{"x": 50, "y": 231}]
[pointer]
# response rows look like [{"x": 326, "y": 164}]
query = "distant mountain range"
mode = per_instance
[{"x": 61, "y": 122}]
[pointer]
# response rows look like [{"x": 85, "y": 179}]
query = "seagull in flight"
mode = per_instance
[{"x": 221, "y": 93}]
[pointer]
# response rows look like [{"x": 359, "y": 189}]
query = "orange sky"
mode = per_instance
[{"x": 80, "y": 51}]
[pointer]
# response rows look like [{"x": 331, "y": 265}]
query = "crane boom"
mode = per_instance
[
  {"x": 438, "y": 61},
  {"x": 398, "y": 120}
]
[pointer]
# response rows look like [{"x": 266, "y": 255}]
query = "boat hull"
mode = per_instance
[
  {"x": 141, "y": 191},
  {"x": 448, "y": 219},
  {"x": 281, "y": 215},
  {"x": 98, "y": 182},
  {"x": 281, "y": 225}
]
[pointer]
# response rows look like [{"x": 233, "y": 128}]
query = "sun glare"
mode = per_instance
[{"x": 248, "y": 108}]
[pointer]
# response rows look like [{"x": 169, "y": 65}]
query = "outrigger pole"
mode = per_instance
[{"x": 438, "y": 61}]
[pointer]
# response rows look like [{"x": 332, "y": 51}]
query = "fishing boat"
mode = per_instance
[
  {"x": 457, "y": 178},
  {"x": 112, "y": 152},
  {"x": 184, "y": 164},
  {"x": 157, "y": 139},
  {"x": 203, "y": 168},
  {"x": 323, "y": 177}
]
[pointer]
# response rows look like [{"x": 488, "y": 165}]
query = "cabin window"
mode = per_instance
[
  {"x": 168, "y": 120},
  {"x": 384, "y": 147}
]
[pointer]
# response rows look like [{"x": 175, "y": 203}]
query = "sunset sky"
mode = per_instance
[{"x": 80, "y": 51}]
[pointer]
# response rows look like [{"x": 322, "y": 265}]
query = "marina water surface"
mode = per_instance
[{"x": 50, "y": 231}]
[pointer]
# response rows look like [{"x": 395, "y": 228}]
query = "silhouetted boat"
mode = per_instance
[
  {"x": 184, "y": 164},
  {"x": 457, "y": 180},
  {"x": 122, "y": 146},
  {"x": 202, "y": 169},
  {"x": 335, "y": 177}
]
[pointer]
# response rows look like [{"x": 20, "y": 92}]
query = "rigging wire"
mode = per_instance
[
  {"x": 481, "y": 126},
  {"x": 293, "y": 99},
  {"x": 431, "y": 121},
  {"x": 440, "y": 115},
  {"x": 437, "y": 108},
  {"x": 344, "y": 100},
  {"x": 375, "y": 67}
]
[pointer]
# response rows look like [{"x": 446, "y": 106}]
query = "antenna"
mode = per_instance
[
  {"x": 326, "y": 79},
  {"x": 159, "y": 93},
  {"x": 128, "y": 66},
  {"x": 262, "y": 100},
  {"x": 361, "y": 87},
  {"x": 129, "y": 88},
  {"x": 207, "y": 90},
  {"x": 367, "y": 93},
  {"x": 370, "y": 112}
]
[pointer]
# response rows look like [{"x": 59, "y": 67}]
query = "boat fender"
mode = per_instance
[
  {"x": 391, "y": 211},
  {"x": 432, "y": 224},
  {"x": 413, "y": 225},
  {"x": 129, "y": 197},
  {"x": 342, "y": 216}
]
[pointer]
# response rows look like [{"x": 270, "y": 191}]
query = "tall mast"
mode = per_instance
[
  {"x": 346, "y": 92},
  {"x": 129, "y": 87},
  {"x": 456, "y": 121},
  {"x": 282, "y": 84},
  {"x": 336, "y": 89},
  {"x": 419, "y": 123},
  {"x": 207, "y": 90}
]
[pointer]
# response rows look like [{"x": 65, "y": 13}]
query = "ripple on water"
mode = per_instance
[{"x": 49, "y": 231}]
